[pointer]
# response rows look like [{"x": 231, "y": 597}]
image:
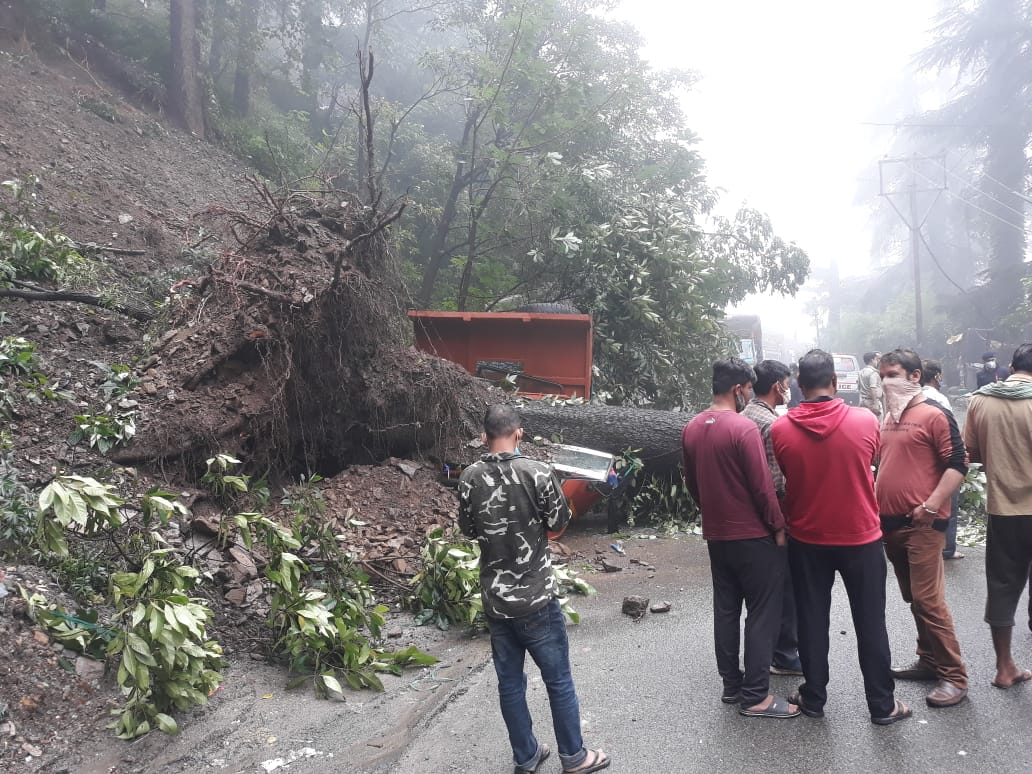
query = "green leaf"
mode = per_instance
[
  {"x": 166, "y": 724},
  {"x": 331, "y": 682}
]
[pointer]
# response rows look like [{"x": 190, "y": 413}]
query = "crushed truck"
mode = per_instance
[{"x": 540, "y": 353}]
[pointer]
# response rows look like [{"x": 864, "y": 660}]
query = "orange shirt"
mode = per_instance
[{"x": 914, "y": 455}]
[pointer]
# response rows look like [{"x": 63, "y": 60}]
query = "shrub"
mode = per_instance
[
  {"x": 447, "y": 590},
  {"x": 322, "y": 636},
  {"x": 105, "y": 431}
]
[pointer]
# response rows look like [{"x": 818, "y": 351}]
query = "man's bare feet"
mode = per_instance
[{"x": 1008, "y": 678}]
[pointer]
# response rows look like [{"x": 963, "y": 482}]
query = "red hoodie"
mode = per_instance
[{"x": 825, "y": 449}]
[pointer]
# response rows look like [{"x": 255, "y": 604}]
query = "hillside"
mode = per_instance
[{"x": 113, "y": 173}]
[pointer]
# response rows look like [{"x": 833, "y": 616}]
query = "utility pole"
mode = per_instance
[{"x": 924, "y": 174}]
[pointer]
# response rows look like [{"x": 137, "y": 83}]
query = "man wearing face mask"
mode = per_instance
[
  {"x": 726, "y": 472},
  {"x": 772, "y": 390},
  {"x": 923, "y": 462},
  {"x": 991, "y": 371}
]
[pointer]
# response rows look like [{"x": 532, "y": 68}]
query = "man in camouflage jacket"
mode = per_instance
[{"x": 509, "y": 503}]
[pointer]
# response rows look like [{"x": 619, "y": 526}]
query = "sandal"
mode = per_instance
[
  {"x": 543, "y": 753},
  {"x": 595, "y": 760},
  {"x": 900, "y": 712},
  {"x": 778, "y": 708},
  {"x": 797, "y": 699}
]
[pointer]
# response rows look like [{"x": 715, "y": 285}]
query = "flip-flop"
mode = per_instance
[
  {"x": 542, "y": 757},
  {"x": 900, "y": 712},
  {"x": 1023, "y": 677},
  {"x": 599, "y": 762},
  {"x": 778, "y": 709}
]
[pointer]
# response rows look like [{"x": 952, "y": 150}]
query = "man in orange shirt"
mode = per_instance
[{"x": 923, "y": 461}]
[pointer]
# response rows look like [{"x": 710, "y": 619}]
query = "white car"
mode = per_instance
[{"x": 847, "y": 368}]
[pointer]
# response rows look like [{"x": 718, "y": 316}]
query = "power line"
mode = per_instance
[
  {"x": 972, "y": 204},
  {"x": 979, "y": 191},
  {"x": 1005, "y": 187},
  {"x": 978, "y": 309}
]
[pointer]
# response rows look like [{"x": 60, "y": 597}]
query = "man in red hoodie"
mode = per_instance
[
  {"x": 825, "y": 450},
  {"x": 725, "y": 470}
]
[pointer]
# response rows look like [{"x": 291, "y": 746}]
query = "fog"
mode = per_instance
[{"x": 794, "y": 105}]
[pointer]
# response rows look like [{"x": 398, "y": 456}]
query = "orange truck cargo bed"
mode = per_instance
[{"x": 551, "y": 353}]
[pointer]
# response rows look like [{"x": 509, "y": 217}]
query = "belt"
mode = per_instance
[{"x": 890, "y": 523}]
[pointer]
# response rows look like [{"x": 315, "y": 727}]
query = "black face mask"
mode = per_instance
[{"x": 740, "y": 402}]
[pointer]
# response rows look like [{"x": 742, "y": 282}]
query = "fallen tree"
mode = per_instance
[
  {"x": 654, "y": 436},
  {"x": 295, "y": 351}
]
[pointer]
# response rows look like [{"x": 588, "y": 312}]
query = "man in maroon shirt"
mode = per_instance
[
  {"x": 725, "y": 469},
  {"x": 923, "y": 461},
  {"x": 825, "y": 450}
]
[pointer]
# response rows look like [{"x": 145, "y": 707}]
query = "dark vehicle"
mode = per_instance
[{"x": 748, "y": 334}]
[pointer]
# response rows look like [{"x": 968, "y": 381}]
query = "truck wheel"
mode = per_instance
[{"x": 549, "y": 308}]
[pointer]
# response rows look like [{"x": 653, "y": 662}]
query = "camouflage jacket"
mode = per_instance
[{"x": 508, "y": 503}]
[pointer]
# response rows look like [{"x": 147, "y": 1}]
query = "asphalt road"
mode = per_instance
[{"x": 649, "y": 690}]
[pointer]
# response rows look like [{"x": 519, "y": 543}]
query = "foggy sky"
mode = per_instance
[{"x": 784, "y": 92}]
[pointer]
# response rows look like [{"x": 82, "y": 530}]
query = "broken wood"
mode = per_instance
[{"x": 38, "y": 294}]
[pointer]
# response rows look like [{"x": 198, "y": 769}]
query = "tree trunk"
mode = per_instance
[
  {"x": 614, "y": 429},
  {"x": 247, "y": 50},
  {"x": 185, "y": 86},
  {"x": 219, "y": 30},
  {"x": 1005, "y": 167},
  {"x": 439, "y": 252}
]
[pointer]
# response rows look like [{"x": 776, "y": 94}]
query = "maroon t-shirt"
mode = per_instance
[{"x": 725, "y": 469}]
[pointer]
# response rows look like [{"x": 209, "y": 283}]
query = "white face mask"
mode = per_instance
[
  {"x": 990, "y": 365},
  {"x": 899, "y": 391},
  {"x": 786, "y": 392}
]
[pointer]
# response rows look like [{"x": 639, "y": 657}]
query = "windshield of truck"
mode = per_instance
[
  {"x": 846, "y": 363},
  {"x": 748, "y": 351}
]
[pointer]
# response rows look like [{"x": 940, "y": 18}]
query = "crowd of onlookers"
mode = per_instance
[{"x": 790, "y": 500}]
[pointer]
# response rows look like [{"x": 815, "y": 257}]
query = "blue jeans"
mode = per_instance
[{"x": 542, "y": 634}]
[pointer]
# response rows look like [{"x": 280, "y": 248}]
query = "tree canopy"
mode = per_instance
[{"x": 542, "y": 158}]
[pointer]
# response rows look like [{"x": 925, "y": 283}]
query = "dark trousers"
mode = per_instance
[
  {"x": 863, "y": 572},
  {"x": 1008, "y": 567},
  {"x": 951, "y": 528},
  {"x": 753, "y": 572},
  {"x": 786, "y": 647}
]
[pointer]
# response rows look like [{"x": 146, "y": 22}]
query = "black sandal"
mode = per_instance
[
  {"x": 797, "y": 699},
  {"x": 900, "y": 712},
  {"x": 543, "y": 754},
  {"x": 779, "y": 708}
]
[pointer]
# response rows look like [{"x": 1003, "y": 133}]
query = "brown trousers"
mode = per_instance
[{"x": 916, "y": 556}]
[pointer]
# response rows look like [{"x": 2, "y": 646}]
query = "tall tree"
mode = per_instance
[
  {"x": 185, "y": 86},
  {"x": 987, "y": 44},
  {"x": 248, "y": 46}
]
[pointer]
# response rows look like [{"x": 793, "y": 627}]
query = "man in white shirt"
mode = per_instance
[{"x": 931, "y": 381}]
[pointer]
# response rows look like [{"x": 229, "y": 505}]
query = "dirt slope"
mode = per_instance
[{"x": 112, "y": 172}]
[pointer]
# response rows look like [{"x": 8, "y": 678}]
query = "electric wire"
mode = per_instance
[
  {"x": 970, "y": 203},
  {"x": 979, "y": 191}
]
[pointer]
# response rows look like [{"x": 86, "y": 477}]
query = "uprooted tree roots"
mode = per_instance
[{"x": 295, "y": 351}]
